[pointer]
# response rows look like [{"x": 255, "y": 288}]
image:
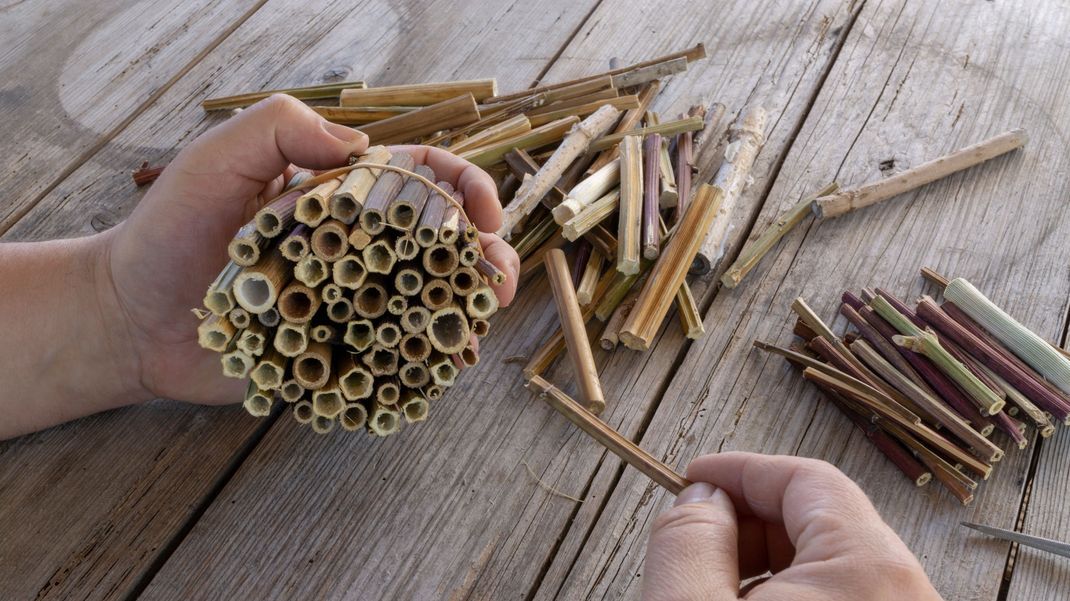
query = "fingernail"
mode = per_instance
[
  {"x": 696, "y": 493},
  {"x": 343, "y": 133}
]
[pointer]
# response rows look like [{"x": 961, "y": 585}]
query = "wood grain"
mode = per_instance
[
  {"x": 470, "y": 520},
  {"x": 903, "y": 90}
]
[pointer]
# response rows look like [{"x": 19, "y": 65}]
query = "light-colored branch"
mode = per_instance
[{"x": 575, "y": 332}]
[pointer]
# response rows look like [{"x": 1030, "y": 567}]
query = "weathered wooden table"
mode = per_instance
[{"x": 175, "y": 501}]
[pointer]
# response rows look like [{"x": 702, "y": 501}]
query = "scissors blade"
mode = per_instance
[{"x": 1036, "y": 542}]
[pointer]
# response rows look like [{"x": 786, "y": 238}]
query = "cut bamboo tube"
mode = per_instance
[
  {"x": 1019, "y": 339},
  {"x": 925, "y": 343},
  {"x": 443, "y": 370},
  {"x": 257, "y": 402},
  {"x": 354, "y": 417},
  {"x": 360, "y": 334},
  {"x": 397, "y": 304},
  {"x": 330, "y": 240},
  {"x": 270, "y": 318},
  {"x": 239, "y": 317},
  {"x": 667, "y": 128},
  {"x": 670, "y": 270},
  {"x": 236, "y": 364},
  {"x": 369, "y": 301},
  {"x": 746, "y": 137},
  {"x": 311, "y": 207},
  {"x": 406, "y": 248},
  {"x": 325, "y": 333},
  {"x": 469, "y": 356},
  {"x": 648, "y": 73},
  {"x": 328, "y": 402},
  {"x": 422, "y": 94},
  {"x": 219, "y": 299},
  {"x": 409, "y": 281},
  {"x": 388, "y": 334},
  {"x": 540, "y": 136},
  {"x": 575, "y": 333},
  {"x": 591, "y": 216},
  {"x": 685, "y": 159},
  {"x": 480, "y": 327},
  {"x": 512, "y": 127},
  {"x": 322, "y": 424},
  {"x": 331, "y": 292},
  {"x": 434, "y": 392},
  {"x": 440, "y": 260},
  {"x": 257, "y": 287},
  {"x": 253, "y": 339},
  {"x": 448, "y": 329},
  {"x": 407, "y": 127},
  {"x": 415, "y": 319},
  {"x": 631, "y": 205},
  {"x": 405, "y": 209},
  {"x": 482, "y": 303},
  {"x": 415, "y": 347},
  {"x": 670, "y": 195},
  {"x": 379, "y": 257},
  {"x": 621, "y": 103},
  {"x": 1038, "y": 416},
  {"x": 349, "y": 272},
  {"x": 592, "y": 272},
  {"x": 650, "y": 231},
  {"x": 303, "y": 412},
  {"x": 215, "y": 333},
  {"x": 277, "y": 216},
  {"x": 348, "y": 199},
  {"x": 426, "y": 233},
  {"x": 381, "y": 361},
  {"x": 851, "y": 199},
  {"x": 611, "y": 333},
  {"x": 469, "y": 255},
  {"x": 298, "y": 303},
  {"x": 291, "y": 391},
  {"x": 605, "y": 435},
  {"x": 319, "y": 92},
  {"x": 413, "y": 406},
  {"x": 691, "y": 54},
  {"x": 533, "y": 189},
  {"x": 414, "y": 375},
  {"x": 360, "y": 115},
  {"x": 296, "y": 244},
  {"x": 383, "y": 421},
  {"x": 464, "y": 281},
  {"x": 311, "y": 271},
  {"x": 354, "y": 380},
  {"x": 387, "y": 392},
  {"x": 386, "y": 189},
  {"x": 312, "y": 368},
  {"x": 450, "y": 229},
  {"x": 753, "y": 252},
  {"x": 585, "y": 193},
  {"x": 244, "y": 248}
]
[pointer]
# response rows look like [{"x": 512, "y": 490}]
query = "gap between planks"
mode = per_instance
[{"x": 110, "y": 135}]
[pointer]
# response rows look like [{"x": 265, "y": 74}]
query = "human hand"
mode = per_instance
[
  {"x": 801, "y": 519},
  {"x": 159, "y": 262}
]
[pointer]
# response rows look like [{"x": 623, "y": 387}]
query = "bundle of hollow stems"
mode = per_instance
[
  {"x": 929, "y": 384},
  {"x": 356, "y": 297}
]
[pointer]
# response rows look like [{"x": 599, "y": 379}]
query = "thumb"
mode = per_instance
[
  {"x": 238, "y": 158},
  {"x": 693, "y": 549}
]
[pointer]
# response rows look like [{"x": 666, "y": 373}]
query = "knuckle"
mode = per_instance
[{"x": 689, "y": 516}]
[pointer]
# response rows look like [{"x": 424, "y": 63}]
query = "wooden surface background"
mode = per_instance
[{"x": 173, "y": 501}]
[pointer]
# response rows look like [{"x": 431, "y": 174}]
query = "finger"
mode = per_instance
[
  {"x": 477, "y": 186},
  {"x": 236, "y": 159},
  {"x": 797, "y": 493},
  {"x": 504, "y": 257},
  {"x": 692, "y": 549}
]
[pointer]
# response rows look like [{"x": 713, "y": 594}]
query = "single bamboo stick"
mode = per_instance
[
  {"x": 311, "y": 208},
  {"x": 239, "y": 317},
  {"x": 427, "y": 226},
  {"x": 409, "y": 281},
  {"x": 470, "y": 255},
  {"x": 482, "y": 303},
  {"x": 592, "y": 272},
  {"x": 386, "y": 189},
  {"x": 387, "y": 392},
  {"x": 346, "y": 202},
  {"x": 450, "y": 229},
  {"x": 354, "y": 380},
  {"x": 298, "y": 303},
  {"x": 572, "y": 325},
  {"x": 244, "y": 248},
  {"x": 278, "y": 215},
  {"x": 397, "y": 304},
  {"x": 381, "y": 361},
  {"x": 349, "y": 272},
  {"x": 325, "y": 333},
  {"x": 312, "y": 368},
  {"x": 257, "y": 287},
  {"x": 291, "y": 391},
  {"x": 465, "y": 281},
  {"x": 753, "y": 252},
  {"x": 360, "y": 115},
  {"x": 606, "y": 93},
  {"x": 851, "y": 199},
  {"x": 330, "y": 240},
  {"x": 295, "y": 246},
  {"x": 443, "y": 370},
  {"x": 415, "y": 347},
  {"x": 257, "y": 402},
  {"x": 591, "y": 216},
  {"x": 311, "y": 271},
  {"x": 667, "y": 128},
  {"x": 413, "y": 407},
  {"x": 448, "y": 329},
  {"x": 605, "y": 435},
  {"x": 631, "y": 205},
  {"x": 422, "y": 94},
  {"x": 270, "y": 318},
  {"x": 746, "y": 137},
  {"x": 219, "y": 299},
  {"x": 328, "y": 401},
  {"x": 215, "y": 333},
  {"x": 319, "y": 92},
  {"x": 236, "y": 364},
  {"x": 405, "y": 209},
  {"x": 621, "y": 103},
  {"x": 354, "y": 417},
  {"x": 587, "y": 192},
  {"x": 406, "y": 248},
  {"x": 415, "y": 319},
  {"x": 379, "y": 257},
  {"x": 488, "y": 155},
  {"x": 512, "y": 127},
  {"x": 440, "y": 260},
  {"x": 414, "y": 375},
  {"x": 533, "y": 189},
  {"x": 388, "y": 334},
  {"x": 369, "y": 301},
  {"x": 650, "y": 235},
  {"x": 253, "y": 339},
  {"x": 383, "y": 420},
  {"x": 670, "y": 270},
  {"x": 303, "y": 412},
  {"x": 480, "y": 327}
]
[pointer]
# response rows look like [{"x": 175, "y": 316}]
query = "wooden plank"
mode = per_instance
[
  {"x": 90, "y": 507},
  {"x": 61, "y": 101},
  {"x": 902, "y": 89},
  {"x": 450, "y": 509}
]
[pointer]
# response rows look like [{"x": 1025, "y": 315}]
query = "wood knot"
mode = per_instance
[{"x": 336, "y": 74}]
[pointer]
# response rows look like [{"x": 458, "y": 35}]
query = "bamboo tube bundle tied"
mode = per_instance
[{"x": 357, "y": 335}]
